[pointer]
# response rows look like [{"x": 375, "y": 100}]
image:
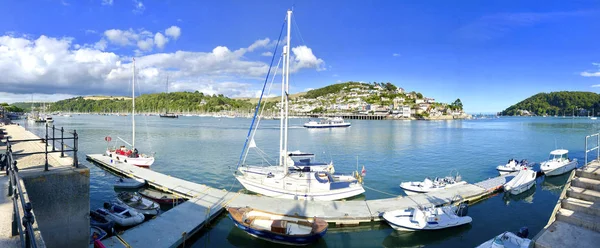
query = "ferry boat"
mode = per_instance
[
  {"x": 558, "y": 163},
  {"x": 327, "y": 123}
]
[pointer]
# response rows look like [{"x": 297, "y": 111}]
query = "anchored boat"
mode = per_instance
[
  {"x": 558, "y": 163},
  {"x": 96, "y": 233},
  {"x": 139, "y": 203},
  {"x": 327, "y": 123},
  {"x": 283, "y": 229},
  {"x": 523, "y": 181},
  {"x": 428, "y": 218},
  {"x": 429, "y": 185},
  {"x": 512, "y": 165},
  {"x": 160, "y": 197},
  {"x": 508, "y": 239},
  {"x": 120, "y": 214}
]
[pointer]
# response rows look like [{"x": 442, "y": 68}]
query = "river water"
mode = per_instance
[{"x": 206, "y": 150}]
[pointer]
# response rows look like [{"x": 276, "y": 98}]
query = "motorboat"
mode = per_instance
[
  {"x": 327, "y": 123},
  {"x": 122, "y": 215},
  {"x": 513, "y": 165},
  {"x": 429, "y": 185},
  {"x": 509, "y": 239},
  {"x": 282, "y": 229},
  {"x": 49, "y": 119},
  {"x": 129, "y": 156},
  {"x": 129, "y": 183},
  {"x": 523, "y": 181},
  {"x": 285, "y": 178},
  {"x": 96, "y": 233},
  {"x": 558, "y": 163},
  {"x": 169, "y": 115},
  {"x": 139, "y": 203},
  {"x": 428, "y": 218},
  {"x": 160, "y": 197},
  {"x": 101, "y": 221}
]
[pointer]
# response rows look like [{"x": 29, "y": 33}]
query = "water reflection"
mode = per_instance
[
  {"x": 419, "y": 239},
  {"x": 526, "y": 196},
  {"x": 555, "y": 184}
]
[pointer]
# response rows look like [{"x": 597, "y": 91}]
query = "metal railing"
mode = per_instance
[
  {"x": 595, "y": 148},
  {"x": 15, "y": 190}
]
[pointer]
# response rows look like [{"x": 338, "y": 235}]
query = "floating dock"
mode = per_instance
[{"x": 205, "y": 203}]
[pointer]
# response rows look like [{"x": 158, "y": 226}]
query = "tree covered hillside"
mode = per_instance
[{"x": 557, "y": 103}]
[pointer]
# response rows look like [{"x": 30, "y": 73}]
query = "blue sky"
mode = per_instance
[{"x": 490, "y": 55}]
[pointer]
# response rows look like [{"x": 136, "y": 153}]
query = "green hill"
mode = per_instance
[{"x": 557, "y": 103}]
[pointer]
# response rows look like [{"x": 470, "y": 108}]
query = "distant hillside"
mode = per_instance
[
  {"x": 26, "y": 106},
  {"x": 269, "y": 99},
  {"x": 557, "y": 103},
  {"x": 106, "y": 97},
  {"x": 335, "y": 88},
  {"x": 159, "y": 102}
]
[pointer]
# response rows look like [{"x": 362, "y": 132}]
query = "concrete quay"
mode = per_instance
[
  {"x": 172, "y": 227},
  {"x": 59, "y": 196}
]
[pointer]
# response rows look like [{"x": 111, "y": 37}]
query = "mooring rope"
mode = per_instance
[{"x": 394, "y": 195}]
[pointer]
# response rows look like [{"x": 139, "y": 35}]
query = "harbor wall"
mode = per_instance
[{"x": 61, "y": 200}]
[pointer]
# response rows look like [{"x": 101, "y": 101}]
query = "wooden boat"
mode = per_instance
[
  {"x": 129, "y": 183},
  {"x": 100, "y": 221},
  {"x": 96, "y": 233},
  {"x": 121, "y": 214},
  {"x": 160, "y": 197},
  {"x": 139, "y": 203},
  {"x": 283, "y": 229}
]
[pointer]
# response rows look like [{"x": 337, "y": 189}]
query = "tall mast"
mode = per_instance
[
  {"x": 133, "y": 108},
  {"x": 287, "y": 87},
  {"x": 282, "y": 155}
]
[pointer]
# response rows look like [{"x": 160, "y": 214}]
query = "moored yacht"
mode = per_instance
[
  {"x": 428, "y": 185},
  {"x": 558, "y": 163}
]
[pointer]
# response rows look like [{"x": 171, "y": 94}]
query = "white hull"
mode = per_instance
[
  {"x": 506, "y": 239},
  {"x": 410, "y": 220},
  {"x": 411, "y": 189},
  {"x": 278, "y": 192},
  {"x": 129, "y": 183},
  {"x": 139, "y": 161},
  {"x": 318, "y": 125},
  {"x": 521, "y": 182},
  {"x": 560, "y": 170}
]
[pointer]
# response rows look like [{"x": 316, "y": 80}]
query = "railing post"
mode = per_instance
[
  {"x": 62, "y": 142},
  {"x": 53, "y": 144},
  {"x": 8, "y": 170},
  {"x": 15, "y": 222},
  {"x": 28, "y": 218},
  {"x": 46, "y": 150},
  {"x": 598, "y": 145},
  {"x": 75, "y": 148},
  {"x": 586, "y": 150}
]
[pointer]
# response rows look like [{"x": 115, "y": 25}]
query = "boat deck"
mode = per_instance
[{"x": 167, "y": 229}]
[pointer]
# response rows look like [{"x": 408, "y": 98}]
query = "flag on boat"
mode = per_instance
[{"x": 363, "y": 172}]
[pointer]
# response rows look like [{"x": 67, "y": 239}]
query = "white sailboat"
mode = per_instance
[
  {"x": 292, "y": 179},
  {"x": 130, "y": 156}
]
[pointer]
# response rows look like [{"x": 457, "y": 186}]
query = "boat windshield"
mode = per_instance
[{"x": 558, "y": 157}]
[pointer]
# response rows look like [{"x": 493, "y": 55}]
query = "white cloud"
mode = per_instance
[
  {"x": 173, "y": 32},
  {"x": 179, "y": 20},
  {"x": 259, "y": 43},
  {"x": 267, "y": 54},
  {"x": 138, "y": 7},
  {"x": 592, "y": 74},
  {"x": 107, "y": 2},
  {"x": 595, "y": 85},
  {"x": 64, "y": 3},
  {"x": 121, "y": 37},
  {"x": 160, "y": 40},
  {"x": 47, "y": 65},
  {"x": 396, "y": 54},
  {"x": 90, "y": 31},
  {"x": 12, "y": 98},
  {"x": 304, "y": 58}
]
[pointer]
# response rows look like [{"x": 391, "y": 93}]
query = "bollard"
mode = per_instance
[
  {"x": 62, "y": 143},
  {"x": 53, "y": 144},
  {"x": 46, "y": 150},
  {"x": 28, "y": 218}
]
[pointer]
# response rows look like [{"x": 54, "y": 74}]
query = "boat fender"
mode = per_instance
[{"x": 523, "y": 232}]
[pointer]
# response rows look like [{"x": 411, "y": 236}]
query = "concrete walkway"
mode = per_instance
[{"x": 576, "y": 219}]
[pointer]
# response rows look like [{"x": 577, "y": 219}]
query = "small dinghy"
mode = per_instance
[
  {"x": 277, "y": 228},
  {"x": 120, "y": 214},
  {"x": 129, "y": 183},
  {"x": 100, "y": 221},
  {"x": 509, "y": 240},
  {"x": 558, "y": 163},
  {"x": 513, "y": 165},
  {"x": 428, "y": 218},
  {"x": 429, "y": 185},
  {"x": 523, "y": 181},
  {"x": 96, "y": 233},
  {"x": 160, "y": 197},
  {"x": 139, "y": 203}
]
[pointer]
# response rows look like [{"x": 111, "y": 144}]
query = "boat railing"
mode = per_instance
[{"x": 596, "y": 146}]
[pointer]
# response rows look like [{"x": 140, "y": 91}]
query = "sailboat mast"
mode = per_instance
[
  {"x": 287, "y": 86},
  {"x": 281, "y": 109},
  {"x": 133, "y": 108}
]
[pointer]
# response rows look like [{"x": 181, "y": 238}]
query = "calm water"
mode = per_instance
[{"x": 206, "y": 150}]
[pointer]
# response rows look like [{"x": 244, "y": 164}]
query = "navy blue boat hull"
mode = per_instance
[{"x": 279, "y": 238}]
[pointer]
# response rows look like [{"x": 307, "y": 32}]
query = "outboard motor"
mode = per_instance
[
  {"x": 462, "y": 210},
  {"x": 523, "y": 232}
]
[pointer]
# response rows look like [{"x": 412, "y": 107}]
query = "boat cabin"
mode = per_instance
[
  {"x": 559, "y": 155},
  {"x": 304, "y": 160}
]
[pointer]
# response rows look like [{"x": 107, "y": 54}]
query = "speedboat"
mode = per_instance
[
  {"x": 428, "y": 218},
  {"x": 429, "y": 185},
  {"x": 558, "y": 163},
  {"x": 121, "y": 214},
  {"x": 129, "y": 183},
  {"x": 282, "y": 229},
  {"x": 512, "y": 165},
  {"x": 96, "y": 233},
  {"x": 523, "y": 181},
  {"x": 327, "y": 123},
  {"x": 139, "y": 203},
  {"x": 508, "y": 239}
]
